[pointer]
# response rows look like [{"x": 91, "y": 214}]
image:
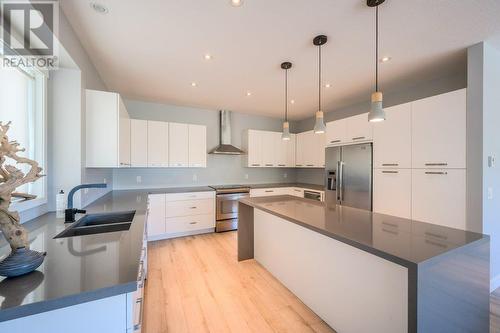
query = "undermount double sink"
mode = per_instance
[{"x": 99, "y": 223}]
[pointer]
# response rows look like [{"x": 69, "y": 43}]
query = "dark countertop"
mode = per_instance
[
  {"x": 301, "y": 185},
  {"x": 82, "y": 268},
  {"x": 399, "y": 240}
]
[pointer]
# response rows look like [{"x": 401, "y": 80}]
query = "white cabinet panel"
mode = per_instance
[
  {"x": 336, "y": 132},
  {"x": 267, "y": 192},
  {"x": 438, "y": 196},
  {"x": 197, "y": 146},
  {"x": 123, "y": 135},
  {"x": 190, "y": 196},
  {"x": 301, "y": 148},
  {"x": 254, "y": 147},
  {"x": 281, "y": 150},
  {"x": 392, "y": 192},
  {"x": 269, "y": 146},
  {"x": 107, "y": 130},
  {"x": 319, "y": 150},
  {"x": 189, "y": 207},
  {"x": 139, "y": 143},
  {"x": 156, "y": 215},
  {"x": 157, "y": 144},
  {"x": 178, "y": 145},
  {"x": 359, "y": 129},
  {"x": 439, "y": 131},
  {"x": 290, "y": 151},
  {"x": 189, "y": 223},
  {"x": 392, "y": 138}
]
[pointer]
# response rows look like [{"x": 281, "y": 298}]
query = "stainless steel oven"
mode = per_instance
[{"x": 227, "y": 197}]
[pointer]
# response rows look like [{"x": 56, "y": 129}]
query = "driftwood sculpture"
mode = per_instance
[{"x": 10, "y": 179}]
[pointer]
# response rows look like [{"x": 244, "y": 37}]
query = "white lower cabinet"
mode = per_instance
[
  {"x": 180, "y": 214},
  {"x": 392, "y": 192},
  {"x": 439, "y": 196}
]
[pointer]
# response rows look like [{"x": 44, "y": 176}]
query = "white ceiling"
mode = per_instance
[{"x": 152, "y": 50}]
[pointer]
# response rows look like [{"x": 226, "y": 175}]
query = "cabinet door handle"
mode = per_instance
[
  {"x": 139, "y": 324},
  {"x": 436, "y": 173},
  {"x": 436, "y": 164},
  {"x": 269, "y": 164},
  {"x": 281, "y": 165},
  {"x": 194, "y": 207},
  {"x": 390, "y": 164},
  {"x": 269, "y": 191},
  {"x": 359, "y": 138},
  {"x": 335, "y": 141},
  {"x": 298, "y": 164},
  {"x": 255, "y": 164},
  {"x": 310, "y": 165},
  {"x": 386, "y": 171},
  {"x": 193, "y": 222}
]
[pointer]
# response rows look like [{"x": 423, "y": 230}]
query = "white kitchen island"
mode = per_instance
[{"x": 366, "y": 272}]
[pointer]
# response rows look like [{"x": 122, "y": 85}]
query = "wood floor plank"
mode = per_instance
[{"x": 195, "y": 284}]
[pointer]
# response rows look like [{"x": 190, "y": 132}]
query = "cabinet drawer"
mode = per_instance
[
  {"x": 190, "y": 196},
  {"x": 439, "y": 197},
  {"x": 189, "y": 207},
  {"x": 266, "y": 192},
  {"x": 189, "y": 223},
  {"x": 392, "y": 192}
]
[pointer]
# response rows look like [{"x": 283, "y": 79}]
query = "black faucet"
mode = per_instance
[{"x": 70, "y": 212}]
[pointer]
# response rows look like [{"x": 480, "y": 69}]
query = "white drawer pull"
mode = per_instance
[
  {"x": 436, "y": 173},
  {"x": 436, "y": 164}
]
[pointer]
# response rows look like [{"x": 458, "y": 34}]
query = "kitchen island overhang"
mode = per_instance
[{"x": 446, "y": 271}]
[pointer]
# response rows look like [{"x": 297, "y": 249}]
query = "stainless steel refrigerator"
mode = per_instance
[{"x": 349, "y": 176}]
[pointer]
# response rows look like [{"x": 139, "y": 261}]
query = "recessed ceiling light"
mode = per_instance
[
  {"x": 193, "y": 84},
  {"x": 292, "y": 101},
  {"x": 207, "y": 56},
  {"x": 385, "y": 59},
  {"x": 100, "y": 8},
  {"x": 249, "y": 93},
  {"x": 236, "y": 3},
  {"x": 328, "y": 85}
]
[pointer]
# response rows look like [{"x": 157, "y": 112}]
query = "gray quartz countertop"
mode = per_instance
[
  {"x": 399, "y": 240},
  {"x": 82, "y": 268},
  {"x": 301, "y": 185}
]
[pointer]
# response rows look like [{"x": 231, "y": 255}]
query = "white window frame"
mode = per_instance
[{"x": 40, "y": 113}]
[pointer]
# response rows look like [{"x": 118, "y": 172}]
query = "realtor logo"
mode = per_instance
[{"x": 28, "y": 33}]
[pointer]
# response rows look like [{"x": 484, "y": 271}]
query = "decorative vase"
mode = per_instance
[{"x": 21, "y": 261}]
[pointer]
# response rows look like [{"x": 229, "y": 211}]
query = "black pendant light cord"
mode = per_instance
[
  {"x": 286, "y": 95},
  {"x": 319, "y": 79},
  {"x": 376, "y": 48}
]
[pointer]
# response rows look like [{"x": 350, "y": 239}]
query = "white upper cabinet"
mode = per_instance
[
  {"x": 319, "y": 150},
  {"x": 439, "y": 131},
  {"x": 107, "y": 130},
  {"x": 282, "y": 150},
  {"x": 157, "y": 144},
  {"x": 269, "y": 147},
  {"x": 139, "y": 143},
  {"x": 254, "y": 148},
  {"x": 300, "y": 157},
  {"x": 310, "y": 150},
  {"x": 178, "y": 145},
  {"x": 336, "y": 132},
  {"x": 392, "y": 138},
  {"x": 359, "y": 128},
  {"x": 290, "y": 150},
  {"x": 197, "y": 146}
]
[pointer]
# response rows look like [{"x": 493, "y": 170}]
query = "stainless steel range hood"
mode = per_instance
[{"x": 225, "y": 147}]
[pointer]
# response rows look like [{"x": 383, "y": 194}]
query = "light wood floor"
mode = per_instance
[{"x": 195, "y": 284}]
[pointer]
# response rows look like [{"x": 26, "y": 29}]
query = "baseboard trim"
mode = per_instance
[
  {"x": 495, "y": 283},
  {"x": 180, "y": 234}
]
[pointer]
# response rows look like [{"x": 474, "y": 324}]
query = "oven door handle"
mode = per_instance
[{"x": 232, "y": 196}]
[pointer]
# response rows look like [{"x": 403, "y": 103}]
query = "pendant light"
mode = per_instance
[
  {"x": 376, "y": 113},
  {"x": 286, "y": 126},
  {"x": 319, "y": 126}
]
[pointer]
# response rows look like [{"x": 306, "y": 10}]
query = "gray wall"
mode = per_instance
[
  {"x": 483, "y": 140},
  {"x": 221, "y": 169},
  {"x": 391, "y": 98}
]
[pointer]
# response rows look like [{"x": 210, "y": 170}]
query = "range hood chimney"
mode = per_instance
[{"x": 225, "y": 147}]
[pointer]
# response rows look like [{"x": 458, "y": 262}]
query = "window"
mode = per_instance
[{"x": 22, "y": 101}]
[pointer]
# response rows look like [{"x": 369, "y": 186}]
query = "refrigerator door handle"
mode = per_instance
[
  {"x": 340, "y": 182},
  {"x": 337, "y": 183}
]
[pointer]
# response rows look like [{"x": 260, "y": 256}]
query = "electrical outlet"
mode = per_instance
[
  {"x": 195, "y": 177},
  {"x": 105, "y": 181},
  {"x": 138, "y": 179},
  {"x": 491, "y": 161},
  {"x": 285, "y": 175},
  {"x": 490, "y": 193},
  {"x": 86, "y": 191},
  {"x": 246, "y": 175}
]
